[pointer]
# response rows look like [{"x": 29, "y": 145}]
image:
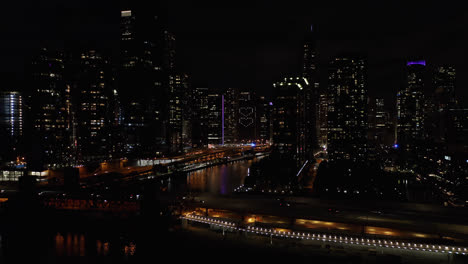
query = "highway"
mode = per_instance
[
  {"x": 428, "y": 252},
  {"x": 425, "y": 220}
]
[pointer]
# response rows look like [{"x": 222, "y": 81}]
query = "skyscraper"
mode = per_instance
[
  {"x": 231, "y": 115},
  {"x": 347, "y": 109},
  {"x": 311, "y": 92},
  {"x": 147, "y": 58},
  {"x": 264, "y": 111},
  {"x": 200, "y": 117},
  {"x": 247, "y": 116},
  {"x": 93, "y": 115},
  {"x": 289, "y": 119},
  {"x": 309, "y": 66},
  {"x": 51, "y": 124},
  {"x": 444, "y": 84},
  {"x": 322, "y": 119},
  {"x": 11, "y": 113},
  {"x": 179, "y": 112},
  {"x": 215, "y": 120},
  {"x": 443, "y": 101},
  {"x": 410, "y": 108},
  {"x": 457, "y": 131},
  {"x": 11, "y": 124},
  {"x": 380, "y": 125}
]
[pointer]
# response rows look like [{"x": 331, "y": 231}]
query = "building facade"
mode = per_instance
[
  {"x": 289, "y": 119},
  {"x": 49, "y": 108},
  {"x": 347, "y": 109},
  {"x": 410, "y": 108},
  {"x": 231, "y": 116},
  {"x": 11, "y": 124}
]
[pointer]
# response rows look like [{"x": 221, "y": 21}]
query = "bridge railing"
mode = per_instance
[{"x": 324, "y": 237}]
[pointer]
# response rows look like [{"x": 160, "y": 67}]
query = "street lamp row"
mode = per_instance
[{"x": 328, "y": 237}]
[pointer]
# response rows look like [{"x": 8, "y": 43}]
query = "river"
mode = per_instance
[{"x": 218, "y": 180}]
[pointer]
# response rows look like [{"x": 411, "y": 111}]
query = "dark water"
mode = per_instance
[
  {"x": 221, "y": 179},
  {"x": 76, "y": 240}
]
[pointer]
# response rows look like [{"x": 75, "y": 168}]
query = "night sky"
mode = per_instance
[{"x": 250, "y": 44}]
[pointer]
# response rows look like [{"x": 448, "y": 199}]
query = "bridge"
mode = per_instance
[
  {"x": 343, "y": 242},
  {"x": 408, "y": 222}
]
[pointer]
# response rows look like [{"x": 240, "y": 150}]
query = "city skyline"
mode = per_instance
[
  {"x": 333, "y": 132},
  {"x": 265, "y": 45}
]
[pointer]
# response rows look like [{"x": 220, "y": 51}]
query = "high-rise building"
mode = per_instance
[
  {"x": 11, "y": 123},
  {"x": 311, "y": 93},
  {"x": 322, "y": 120},
  {"x": 215, "y": 120},
  {"x": 179, "y": 112},
  {"x": 457, "y": 131},
  {"x": 200, "y": 117},
  {"x": 247, "y": 116},
  {"x": 309, "y": 66},
  {"x": 147, "y": 58},
  {"x": 444, "y": 84},
  {"x": 347, "y": 109},
  {"x": 264, "y": 111},
  {"x": 231, "y": 115},
  {"x": 380, "y": 123},
  {"x": 443, "y": 100},
  {"x": 49, "y": 111},
  {"x": 410, "y": 108},
  {"x": 92, "y": 102},
  {"x": 289, "y": 119},
  {"x": 117, "y": 142},
  {"x": 11, "y": 113}
]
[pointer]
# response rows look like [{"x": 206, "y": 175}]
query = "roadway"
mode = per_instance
[
  {"x": 425, "y": 252},
  {"x": 427, "y": 219}
]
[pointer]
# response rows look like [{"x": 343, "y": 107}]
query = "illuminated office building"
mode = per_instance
[
  {"x": 215, "y": 120},
  {"x": 200, "y": 117},
  {"x": 264, "y": 111},
  {"x": 147, "y": 59},
  {"x": 457, "y": 131},
  {"x": 322, "y": 120},
  {"x": 231, "y": 115},
  {"x": 289, "y": 119},
  {"x": 247, "y": 116},
  {"x": 410, "y": 108},
  {"x": 11, "y": 123},
  {"x": 50, "y": 114},
  {"x": 347, "y": 109},
  {"x": 311, "y": 93},
  {"x": 444, "y": 84},
  {"x": 93, "y": 112},
  {"x": 380, "y": 124},
  {"x": 179, "y": 112},
  {"x": 443, "y": 100},
  {"x": 11, "y": 113}
]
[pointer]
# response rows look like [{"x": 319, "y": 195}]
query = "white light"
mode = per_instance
[{"x": 126, "y": 13}]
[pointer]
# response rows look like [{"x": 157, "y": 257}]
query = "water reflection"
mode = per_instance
[
  {"x": 221, "y": 179},
  {"x": 74, "y": 244}
]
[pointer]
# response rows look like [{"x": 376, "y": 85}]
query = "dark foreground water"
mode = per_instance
[{"x": 76, "y": 238}]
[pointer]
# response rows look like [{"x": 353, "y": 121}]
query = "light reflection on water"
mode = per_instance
[
  {"x": 74, "y": 244},
  {"x": 220, "y": 179}
]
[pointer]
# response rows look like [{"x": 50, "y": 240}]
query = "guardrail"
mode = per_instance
[{"x": 349, "y": 240}]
